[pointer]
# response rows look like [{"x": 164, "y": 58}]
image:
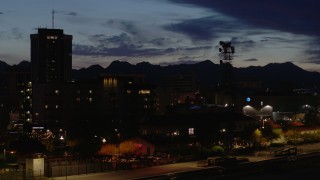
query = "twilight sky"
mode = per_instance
[{"x": 168, "y": 31}]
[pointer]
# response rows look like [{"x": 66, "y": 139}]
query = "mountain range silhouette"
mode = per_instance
[{"x": 206, "y": 72}]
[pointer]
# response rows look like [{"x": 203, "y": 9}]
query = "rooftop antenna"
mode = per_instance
[{"x": 52, "y": 13}]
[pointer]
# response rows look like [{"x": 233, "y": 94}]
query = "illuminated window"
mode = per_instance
[
  {"x": 144, "y": 91},
  {"x": 191, "y": 131},
  {"x": 90, "y": 91},
  {"x": 110, "y": 83},
  {"x": 46, "y": 106},
  {"x": 144, "y": 132},
  {"x": 56, "y": 91},
  {"x": 128, "y": 91},
  {"x": 90, "y": 99},
  {"x": 57, "y": 106},
  {"x": 52, "y": 37},
  {"x": 175, "y": 133}
]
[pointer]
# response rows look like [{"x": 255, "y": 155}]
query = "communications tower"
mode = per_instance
[{"x": 226, "y": 56}]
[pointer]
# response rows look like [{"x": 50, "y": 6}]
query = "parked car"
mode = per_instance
[
  {"x": 286, "y": 152},
  {"x": 134, "y": 160}
]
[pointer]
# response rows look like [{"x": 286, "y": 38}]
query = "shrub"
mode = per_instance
[{"x": 217, "y": 150}]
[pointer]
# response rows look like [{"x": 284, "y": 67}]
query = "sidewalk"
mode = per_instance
[{"x": 268, "y": 154}]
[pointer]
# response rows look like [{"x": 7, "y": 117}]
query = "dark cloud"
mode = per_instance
[
  {"x": 279, "y": 39},
  {"x": 182, "y": 60},
  {"x": 242, "y": 44},
  {"x": 1, "y": 13},
  {"x": 158, "y": 41},
  {"x": 126, "y": 26},
  {"x": 68, "y": 13},
  {"x": 16, "y": 33},
  {"x": 71, "y": 13},
  {"x": 188, "y": 59},
  {"x": 298, "y": 16},
  {"x": 313, "y": 56},
  {"x": 112, "y": 40},
  {"x": 312, "y": 52},
  {"x": 251, "y": 59},
  {"x": 198, "y": 48},
  {"x": 122, "y": 50},
  {"x": 203, "y": 29},
  {"x": 123, "y": 45},
  {"x": 239, "y": 41}
]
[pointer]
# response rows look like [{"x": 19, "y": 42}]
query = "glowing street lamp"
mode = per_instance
[{"x": 223, "y": 130}]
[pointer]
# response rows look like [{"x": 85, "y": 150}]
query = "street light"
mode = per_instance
[
  {"x": 65, "y": 158},
  {"x": 4, "y": 155},
  {"x": 118, "y": 135},
  {"x": 224, "y": 139}
]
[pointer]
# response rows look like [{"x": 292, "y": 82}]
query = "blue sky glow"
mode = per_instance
[{"x": 168, "y": 31}]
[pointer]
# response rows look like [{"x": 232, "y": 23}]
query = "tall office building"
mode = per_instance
[
  {"x": 51, "y": 56},
  {"x": 51, "y": 59}
]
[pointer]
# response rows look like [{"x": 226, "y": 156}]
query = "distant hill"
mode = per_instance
[
  {"x": 3, "y": 65},
  {"x": 207, "y": 73}
]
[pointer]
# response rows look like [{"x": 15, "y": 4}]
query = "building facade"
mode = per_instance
[
  {"x": 51, "y": 56},
  {"x": 51, "y": 61}
]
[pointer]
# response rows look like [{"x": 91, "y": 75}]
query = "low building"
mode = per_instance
[
  {"x": 195, "y": 127},
  {"x": 134, "y": 146}
]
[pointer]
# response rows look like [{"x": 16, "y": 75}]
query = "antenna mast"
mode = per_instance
[{"x": 52, "y": 18}]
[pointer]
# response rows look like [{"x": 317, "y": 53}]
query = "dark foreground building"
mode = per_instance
[{"x": 51, "y": 59}]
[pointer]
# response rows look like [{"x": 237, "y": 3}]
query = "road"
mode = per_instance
[
  {"x": 136, "y": 173},
  {"x": 192, "y": 166}
]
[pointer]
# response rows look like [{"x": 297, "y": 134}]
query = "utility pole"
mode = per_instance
[{"x": 65, "y": 158}]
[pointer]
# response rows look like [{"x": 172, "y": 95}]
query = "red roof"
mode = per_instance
[
  {"x": 274, "y": 125},
  {"x": 295, "y": 123}
]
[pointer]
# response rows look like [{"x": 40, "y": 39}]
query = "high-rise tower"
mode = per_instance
[
  {"x": 51, "y": 59},
  {"x": 51, "y": 56}
]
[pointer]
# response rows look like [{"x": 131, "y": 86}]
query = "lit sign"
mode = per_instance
[
  {"x": 38, "y": 127},
  {"x": 144, "y": 91},
  {"x": 248, "y": 99}
]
